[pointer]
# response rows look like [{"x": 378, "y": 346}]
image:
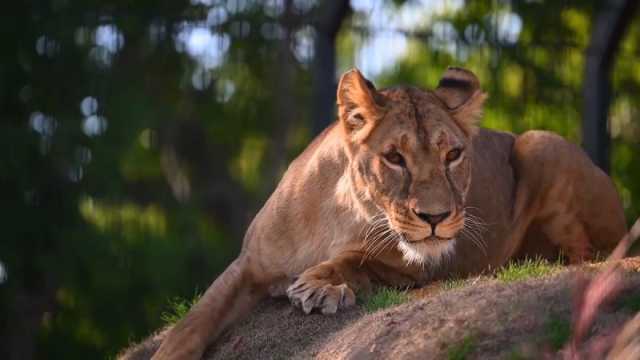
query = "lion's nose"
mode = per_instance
[{"x": 432, "y": 219}]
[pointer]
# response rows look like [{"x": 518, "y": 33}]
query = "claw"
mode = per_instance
[
  {"x": 330, "y": 308},
  {"x": 325, "y": 297},
  {"x": 295, "y": 286},
  {"x": 347, "y": 297}
]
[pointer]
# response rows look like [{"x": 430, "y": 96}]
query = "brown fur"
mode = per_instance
[{"x": 348, "y": 213}]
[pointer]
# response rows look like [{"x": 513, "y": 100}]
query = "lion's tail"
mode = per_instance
[{"x": 230, "y": 296}]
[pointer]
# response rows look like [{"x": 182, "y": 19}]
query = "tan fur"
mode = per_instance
[{"x": 346, "y": 216}]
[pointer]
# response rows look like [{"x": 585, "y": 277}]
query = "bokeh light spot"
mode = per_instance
[
  {"x": 217, "y": 16},
  {"x": 43, "y": 124},
  {"x": 89, "y": 106},
  {"x": 224, "y": 90},
  {"x": 201, "y": 79},
  {"x": 94, "y": 125},
  {"x": 3, "y": 273}
]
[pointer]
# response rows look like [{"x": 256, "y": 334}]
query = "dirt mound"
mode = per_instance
[{"x": 486, "y": 319}]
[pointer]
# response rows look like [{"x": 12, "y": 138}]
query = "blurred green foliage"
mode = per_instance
[
  {"x": 558, "y": 331},
  {"x": 462, "y": 350},
  {"x": 138, "y": 138}
]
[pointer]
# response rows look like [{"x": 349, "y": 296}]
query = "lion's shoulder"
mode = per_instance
[{"x": 493, "y": 144}]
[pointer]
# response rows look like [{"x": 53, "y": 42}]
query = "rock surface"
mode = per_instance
[{"x": 485, "y": 319}]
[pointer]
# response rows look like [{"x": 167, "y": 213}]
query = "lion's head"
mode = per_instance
[{"x": 410, "y": 157}]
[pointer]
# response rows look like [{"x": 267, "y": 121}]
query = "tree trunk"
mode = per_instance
[
  {"x": 607, "y": 32},
  {"x": 328, "y": 19}
]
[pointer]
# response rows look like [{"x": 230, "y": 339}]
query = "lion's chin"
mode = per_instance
[{"x": 427, "y": 251}]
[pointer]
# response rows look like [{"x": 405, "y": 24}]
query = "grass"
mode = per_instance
[
  {"x": 513, "y": 271},
  {"x": 463, "y": 349},
  {"x": 455, "y": 283},
  {"x": 526, "y": 269},
  {"x": 385, "y": 297},
  {"x": 558, "y": 332},
  {"x": 178, "y": 308},
  {"x": 451, "y": 284}
]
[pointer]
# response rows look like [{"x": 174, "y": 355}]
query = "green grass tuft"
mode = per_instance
[
  {"x": 451, "y": 284},
  {"x": 558, "y": 332},
  {"x": 463, "y": 349},
  {"x": 455, "y": 283},
  {"x": 526, "y": 269},
  {"x": 385, "y": 297},
  {"x": 178, "y": 308}
]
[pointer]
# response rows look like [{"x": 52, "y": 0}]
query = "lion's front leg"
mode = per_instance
[{"x": 330, "y": 285}]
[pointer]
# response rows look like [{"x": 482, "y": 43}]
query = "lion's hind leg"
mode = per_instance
[
  {"x": 571, "y": 201},
  {"x": 566, "y": 232},
  {"x": 550, "y": 231}
]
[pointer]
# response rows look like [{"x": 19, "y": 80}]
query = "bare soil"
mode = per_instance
[{"x": 495, "y": 320}]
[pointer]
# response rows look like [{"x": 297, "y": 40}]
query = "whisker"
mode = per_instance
[
  {"x": 478, "y": 243},
  {"x": 473, "y": 229},
  {"x": 377, "y": 236},
  {"x": 474, "y": 217},
  {"x": 385, "y": 241},
  {"x": 384, "y": 244},
  {"x": 380, "y": 240},
  {"x": 373, "y": 223}
]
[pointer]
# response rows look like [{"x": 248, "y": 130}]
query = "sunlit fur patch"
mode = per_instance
[{"x": 426, "y": 252}]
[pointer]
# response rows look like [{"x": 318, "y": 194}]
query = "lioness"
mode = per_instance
[{"x": 405, "y": 188}]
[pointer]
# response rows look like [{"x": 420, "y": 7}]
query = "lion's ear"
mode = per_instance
[
  {"x": 359, "y": 104},
  {"x": 459, "y": 90}
]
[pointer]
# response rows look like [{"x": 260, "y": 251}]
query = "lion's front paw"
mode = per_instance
[{"x": 318, "y": 294}]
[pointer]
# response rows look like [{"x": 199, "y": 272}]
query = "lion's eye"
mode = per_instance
[
  {"x": 395, "y": 158},
  {"x": 453, "y": 155}
]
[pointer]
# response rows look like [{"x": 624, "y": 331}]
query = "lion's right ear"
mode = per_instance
[{"x": 359, "y": 105}]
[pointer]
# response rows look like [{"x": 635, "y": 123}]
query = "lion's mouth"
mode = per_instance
[
  {"x": 430, "y": 249},
  {"x": 430, "y": 238}
]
